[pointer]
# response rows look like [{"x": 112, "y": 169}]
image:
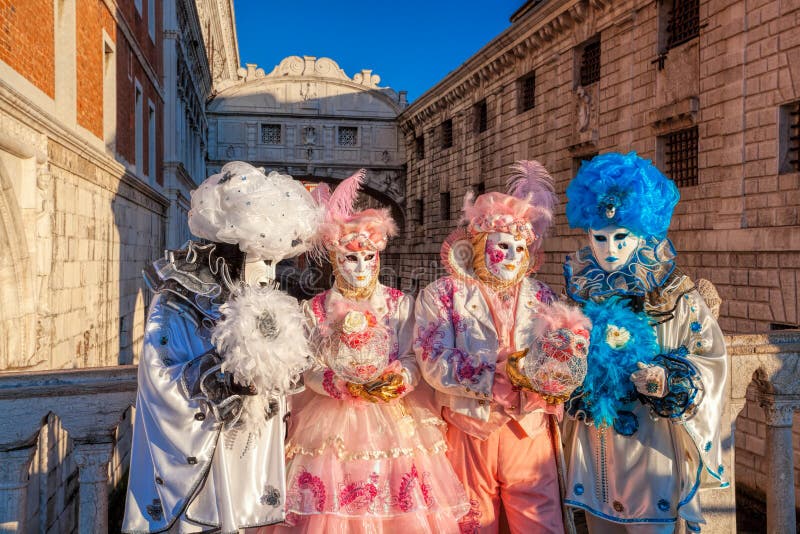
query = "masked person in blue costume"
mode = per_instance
[
  {"x": 646, "y": 431},
  {"x": 222, "y": 349}
]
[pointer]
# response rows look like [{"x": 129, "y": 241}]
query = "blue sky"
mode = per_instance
[{"x": 411, "y": 45}]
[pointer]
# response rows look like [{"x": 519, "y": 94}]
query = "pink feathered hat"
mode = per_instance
[
  {"x": 344, "y": 230},
  {"x": 526, "y": 211}
]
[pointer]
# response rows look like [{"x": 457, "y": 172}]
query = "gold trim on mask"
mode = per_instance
[
  {"x": 348, "y": 290},
  {"x": 483, "y": 274}
]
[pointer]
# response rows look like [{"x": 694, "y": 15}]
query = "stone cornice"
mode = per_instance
[
  {"x": 18, "y": 107},
  {"x": 530, "y": 33}
]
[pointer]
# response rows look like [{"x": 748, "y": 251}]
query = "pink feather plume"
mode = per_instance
[
  {"x": 340, "y": 204},
  {"x": 530, "y": 181}
]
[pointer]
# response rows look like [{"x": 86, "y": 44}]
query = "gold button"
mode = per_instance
[
  {"x": 481, "y": 403},
  {"x": 513, "y": 407}
]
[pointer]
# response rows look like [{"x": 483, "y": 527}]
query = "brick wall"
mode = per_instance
[
  {"x": 27, "y": 41},
  {"x": 94, "y": 18}
]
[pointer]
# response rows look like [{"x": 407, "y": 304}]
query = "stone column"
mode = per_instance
[
  {"x": 92, "y": 460},
  {"x": 14, "y": 465},
  {"x": 780, "y": 464}
]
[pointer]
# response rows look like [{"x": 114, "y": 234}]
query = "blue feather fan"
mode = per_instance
[{"x": 620, "y": 338}]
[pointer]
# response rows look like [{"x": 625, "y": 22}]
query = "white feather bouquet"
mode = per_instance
[{"x": 262, "y": 343}]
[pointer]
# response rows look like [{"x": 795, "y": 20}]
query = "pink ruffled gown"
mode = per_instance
[{"x": 359, "y": 467}]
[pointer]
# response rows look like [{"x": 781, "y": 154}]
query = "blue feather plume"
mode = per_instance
[{"x": 607, "y": 389}]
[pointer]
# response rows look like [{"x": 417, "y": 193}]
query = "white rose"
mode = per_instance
[
  {"x": 617, "y": 336},
  {"x": 354, "y": 322}
]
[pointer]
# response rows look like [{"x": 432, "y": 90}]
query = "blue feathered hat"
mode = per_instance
[{"x": 621, "y": 190}]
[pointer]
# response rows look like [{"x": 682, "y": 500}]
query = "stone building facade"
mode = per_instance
[
  {"x": 709, "y": 90},
  {"x": 81, "y": 103},
  {"x": 713, "y": 102},
  {"x": 309, "y": 119}
]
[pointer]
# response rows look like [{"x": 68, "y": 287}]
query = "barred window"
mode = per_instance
[
  {"x": 578, "y": 161},
  {"x": 590, "y": 63},
  {"x": 444, "y": 205},
  {"x": 526, "y": 88},
  {"x": 419, "y": 143},
  {"x": 481, "y": 114},
  {"x": 680, "y": 156},
  {"x": 447, "y": 133},
  {"x": 789, "y": 138},
  {"x": 271, "y": 134},
  {"x": 419, "y": 211},
  {"x": 348, "y": 136},
  {"x": 683, "y": 22}
]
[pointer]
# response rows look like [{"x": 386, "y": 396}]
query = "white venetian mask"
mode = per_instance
[
  {"x": 256, "y": 272},
  {"x": 357, "y": 268},
  {"x": 505, "y": 256},
  {"x": 613, "y": 246}
]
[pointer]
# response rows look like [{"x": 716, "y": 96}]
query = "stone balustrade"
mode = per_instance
[{"x": 91, "y": 402}]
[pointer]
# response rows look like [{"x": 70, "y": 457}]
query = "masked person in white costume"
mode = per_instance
[
  {"x": 223, "y": 346},
  {"x": 647, "y": 432}
]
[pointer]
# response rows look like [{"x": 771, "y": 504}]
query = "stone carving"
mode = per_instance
[
  {"x": 308, "y": 92},
  {"x": 309, "y": 135},
  {"x": 584, "y": 108}
]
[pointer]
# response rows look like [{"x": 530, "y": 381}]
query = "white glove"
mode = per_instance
[{"x": 650, "y": 380}]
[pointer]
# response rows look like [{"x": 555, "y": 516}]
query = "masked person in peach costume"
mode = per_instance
[
  {"x": 647, "y": 432},
  {"x": 471, "y": 328},
  {"x": 363, "y": 456}
]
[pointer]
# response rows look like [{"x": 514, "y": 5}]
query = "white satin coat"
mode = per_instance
[
  {"x": 457, "y": 344},
  {"x": 188, "y": 474},
  {"x": 654, "y": 475}
]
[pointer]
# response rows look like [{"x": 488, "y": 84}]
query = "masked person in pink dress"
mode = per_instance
[
  {"x": 363, "y": 456},
  {"x": 473, "y": 326}
]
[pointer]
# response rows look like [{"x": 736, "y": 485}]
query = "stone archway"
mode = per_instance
[{"x": 17, "y": 312}]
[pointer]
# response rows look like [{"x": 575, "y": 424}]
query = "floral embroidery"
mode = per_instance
[
  {"x": 271, "y": 496},
  {"x": 307, "y": 481},
  {"x": 466, "y": 371},
  {"x": 359, "y": 495},
  {"x": 393, "y": 297},
  {"x": 318, "y": 307},
  {"x": 328, "y": 384},
  {"x": 405, "y": 495},
  {"x": 429, "y": 340},
  {"x": 356, "y": 340},
  {"x": 471, "y": 522},
  {"x": 545, "y": 294},
  {"x": 395, "y": 353}
]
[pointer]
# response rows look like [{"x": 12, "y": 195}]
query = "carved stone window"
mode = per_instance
[
  {"x": 680, "y": 156},
  {"x": 481, "y": 114},
  {"x": 789, "y": 138},
  {"x": 444, "y": 205},
  {"x": 590, "y": 63},
  {"x": 683, "y": 21},
  {"x": 348, "y": 136},
  {"x": 419, "y": 146},
  {"x": 419, "y": 211},
  {"x": 271, "y": 134},
  {"x": 447, "y": 133},
  {"x": 526, "y": 89}
]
